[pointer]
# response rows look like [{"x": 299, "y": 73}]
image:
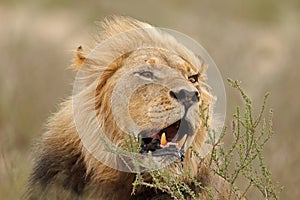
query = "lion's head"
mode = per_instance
[{"x": 143, "y": 82}]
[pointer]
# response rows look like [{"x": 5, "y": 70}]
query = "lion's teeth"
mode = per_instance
[
  {"x": 181, "y": 142},
  {"x": 163, "y": 139}
]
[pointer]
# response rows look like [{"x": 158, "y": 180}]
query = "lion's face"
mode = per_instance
[
  {"x": 161, "y": 97},
  {"x": 148, "y": 85}
]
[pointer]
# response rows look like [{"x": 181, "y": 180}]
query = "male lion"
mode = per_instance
[{"x": 164, "y": 86}]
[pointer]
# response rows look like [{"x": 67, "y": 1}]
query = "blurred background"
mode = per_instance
[{"x": 256, "y": 42}]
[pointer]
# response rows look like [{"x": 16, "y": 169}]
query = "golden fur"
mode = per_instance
[{"x": 64, "y": 169}]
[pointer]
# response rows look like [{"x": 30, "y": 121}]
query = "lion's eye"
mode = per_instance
[
  {"x": 193, "y": 79},
  {"x": 146, "y": 74}
]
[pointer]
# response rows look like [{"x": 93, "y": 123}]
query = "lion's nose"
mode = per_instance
[{"x": 185, "y": 97}]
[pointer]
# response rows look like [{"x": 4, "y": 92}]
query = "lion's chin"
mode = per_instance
[{"x": 169, "y": 141}]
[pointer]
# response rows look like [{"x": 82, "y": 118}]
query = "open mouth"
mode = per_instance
[{"x": 167, "y": 141}]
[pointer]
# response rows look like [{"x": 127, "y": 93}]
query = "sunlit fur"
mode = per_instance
[{"x": 63, "y": 168}]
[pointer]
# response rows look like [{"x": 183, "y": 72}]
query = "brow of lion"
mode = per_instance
[{"x": 167, "y": 60}]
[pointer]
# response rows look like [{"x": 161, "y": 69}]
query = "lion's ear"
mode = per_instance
[{"x": 80, "y": 57}]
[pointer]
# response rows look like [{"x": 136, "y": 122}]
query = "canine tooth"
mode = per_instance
[
  {"x": 181, "y": 142},
  {"x": 163, "y": 139}
]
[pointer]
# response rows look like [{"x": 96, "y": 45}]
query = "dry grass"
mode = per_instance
[{"x": 255, "y": 42}]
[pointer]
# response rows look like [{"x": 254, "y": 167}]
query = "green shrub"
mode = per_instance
[{"x": 240, "y": 162}]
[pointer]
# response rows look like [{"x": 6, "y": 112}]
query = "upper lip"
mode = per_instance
[{"x": 167, "y": 141}]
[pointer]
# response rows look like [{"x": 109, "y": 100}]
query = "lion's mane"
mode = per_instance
[{"x": 63, "y": 168}]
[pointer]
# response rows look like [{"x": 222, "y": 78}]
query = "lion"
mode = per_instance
[{"x": 164, "y": 85}]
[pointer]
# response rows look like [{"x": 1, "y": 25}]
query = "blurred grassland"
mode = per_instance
[{"x": 255, "y": 41}]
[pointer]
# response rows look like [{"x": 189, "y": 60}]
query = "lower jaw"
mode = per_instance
[{"x": 169, "y": 151}]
